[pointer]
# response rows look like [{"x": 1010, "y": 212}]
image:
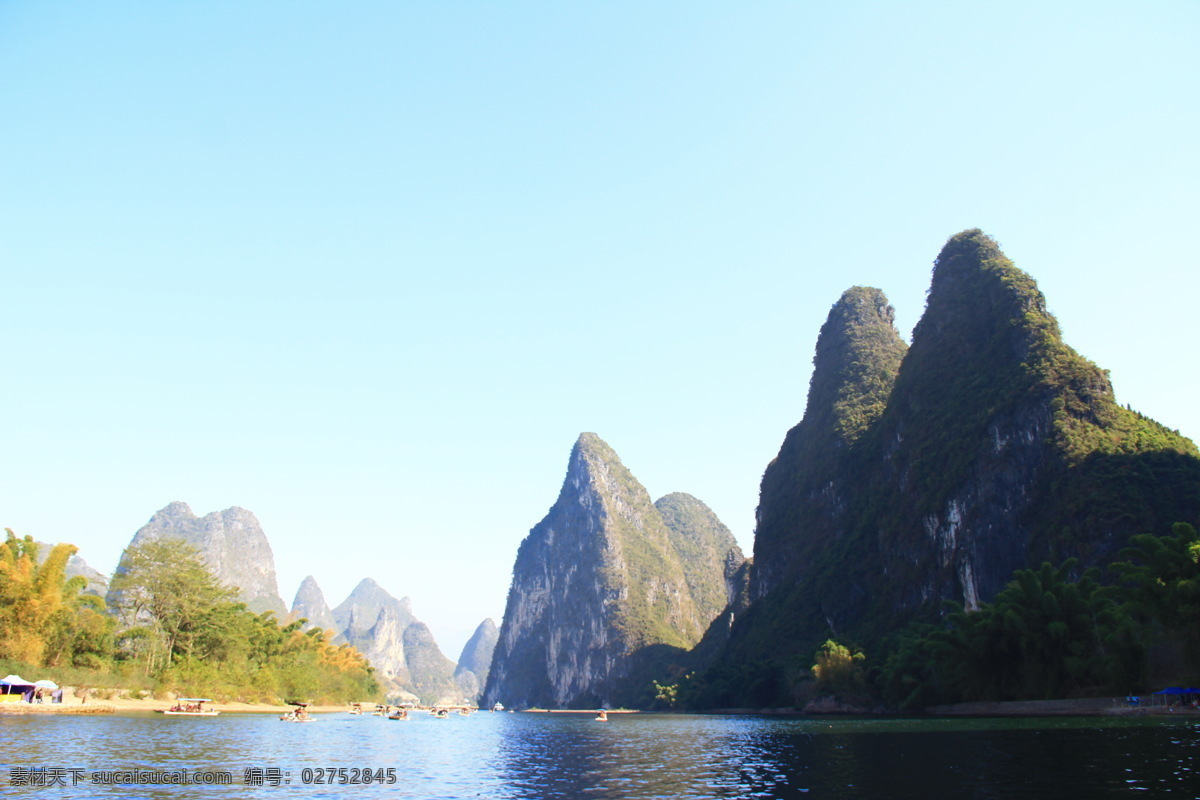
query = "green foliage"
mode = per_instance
[
  {"x": 1045, "y": 636},
  {"x": 44, "y": 618},
  {"x": 1161, "y": 582},
  {"x": 166, "y": 593},
  {"x": 666, "y": 697},
  {"x": 839, "y": 671}
]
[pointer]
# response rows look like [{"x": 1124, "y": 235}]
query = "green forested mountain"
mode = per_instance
[{"x": 933, "y": 474}]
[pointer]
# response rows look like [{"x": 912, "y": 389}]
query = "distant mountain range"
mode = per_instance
[{"x": 400, "y": 647}]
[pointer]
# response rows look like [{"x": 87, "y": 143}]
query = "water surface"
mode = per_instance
[{"x": 630, "y": 756}]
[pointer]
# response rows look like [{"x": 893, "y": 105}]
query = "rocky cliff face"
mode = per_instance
[
  {"x": 476, "y": 659},
  {"x": 403, "y": 652},
  {"x": 233, "y": 545},
  {"x": 310, "y": 604},
  {"x": 993, "y": 446},
  {"x": 596, "y": 583}
]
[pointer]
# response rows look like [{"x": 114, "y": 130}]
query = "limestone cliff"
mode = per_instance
[
  {"x": 232, "y": 544},
  {"x": 597, "y": 585}
]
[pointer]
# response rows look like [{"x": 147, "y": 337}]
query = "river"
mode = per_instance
[{"x": 639, "y": 756}]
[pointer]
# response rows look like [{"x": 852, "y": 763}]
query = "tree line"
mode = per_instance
[
  {"x": 1052, "y": 632},
  {"x": 171, "y": 626}
]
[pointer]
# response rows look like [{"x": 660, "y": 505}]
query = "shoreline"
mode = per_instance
[
  {"x": 1084, "y": 707},
  {"x": 72, "y": 704}
]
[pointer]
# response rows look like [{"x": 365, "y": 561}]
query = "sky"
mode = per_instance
[{"x": 368, "y": 269}]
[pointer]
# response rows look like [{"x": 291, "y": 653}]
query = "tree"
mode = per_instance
[
  {"x": 1161, "y": 578},
  {"x": 167, "y": 597},
  {"x": 1043, "y": 636},
  {"x": 839, "y": 671},
  {"x": 44, "y": 618}
]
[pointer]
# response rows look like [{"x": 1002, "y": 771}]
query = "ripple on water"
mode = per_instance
[{"x": 639, "y": 757}]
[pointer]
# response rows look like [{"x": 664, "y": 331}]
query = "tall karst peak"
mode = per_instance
[
  {"x": 476, "y": 658},
  {"x": 982, "y": 313},
  {"x": 596, "y": 582},
  {"x": 595, "y": 468},
  {"x": 803, "y": 493},
  {"x": 357, "y": 614},
  {"x": 857, "y": 356},
  {"x": 310, "y": 604}
]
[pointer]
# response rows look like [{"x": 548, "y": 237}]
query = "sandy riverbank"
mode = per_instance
[{"x": 95, "y": 704}]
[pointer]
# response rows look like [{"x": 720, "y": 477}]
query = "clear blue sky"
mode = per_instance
[{"x": 367, "y": 269}]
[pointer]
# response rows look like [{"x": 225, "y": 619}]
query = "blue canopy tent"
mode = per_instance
[{"x": 1171, "y": 692}]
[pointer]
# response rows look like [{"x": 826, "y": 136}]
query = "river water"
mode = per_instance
[{"x": 641, "y": 756}]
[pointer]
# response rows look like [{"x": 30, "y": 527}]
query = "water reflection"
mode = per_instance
[{"x": 523, "y": 756}]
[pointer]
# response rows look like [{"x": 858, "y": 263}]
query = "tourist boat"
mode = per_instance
[
  {"x": 399, "y": 714},
  {"x": 298, "y": 714},
  {"x": 601, "y": 716},
  {"x": 190, "y": 707}
]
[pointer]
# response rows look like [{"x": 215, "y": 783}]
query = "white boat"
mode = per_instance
[{"x": 190, "y": 707}]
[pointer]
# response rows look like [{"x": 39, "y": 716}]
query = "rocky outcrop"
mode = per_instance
[
  {"x": 476, "y": 659},
  {"x": 310, "y": 604},
  {"x": 232, "y": 544},
  {"x": 598, "y": 586}
]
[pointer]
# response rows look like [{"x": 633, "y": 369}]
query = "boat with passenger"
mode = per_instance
[
  {"x": 299, "y": 713},
  {"x": 190, "y": 707}
]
